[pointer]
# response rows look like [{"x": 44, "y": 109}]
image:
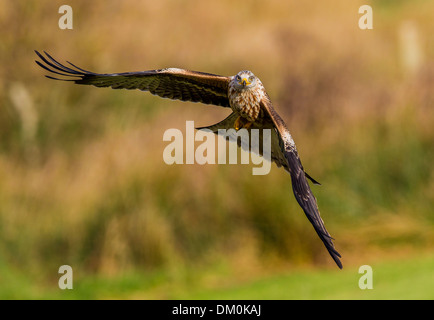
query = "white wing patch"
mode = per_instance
[{"x": 172, "y": 70}]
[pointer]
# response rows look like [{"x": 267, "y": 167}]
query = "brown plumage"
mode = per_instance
[{"x": 243, "y": 93}]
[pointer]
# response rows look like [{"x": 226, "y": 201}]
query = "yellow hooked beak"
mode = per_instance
[{"x": 244, "y": 82}]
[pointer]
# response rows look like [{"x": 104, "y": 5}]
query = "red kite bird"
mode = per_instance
[{"x": 243, "y": 93}]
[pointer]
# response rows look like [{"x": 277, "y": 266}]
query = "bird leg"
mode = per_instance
[
  {"x": 237, "y": 123},
  {"x": 241, "y": 122},
  {"x": 248, "y": 125}
]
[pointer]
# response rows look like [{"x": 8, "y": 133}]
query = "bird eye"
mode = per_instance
[
  {"x": 238, "y": 78},
  {"x": 251, "y": 78}
]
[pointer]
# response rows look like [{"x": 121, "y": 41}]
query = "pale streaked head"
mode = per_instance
[{"x": 244, "y": 80}]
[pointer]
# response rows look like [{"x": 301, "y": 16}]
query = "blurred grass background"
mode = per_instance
[{"x": 83, "y": 182}]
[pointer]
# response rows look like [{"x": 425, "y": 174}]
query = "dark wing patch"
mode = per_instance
[
  {"x": 171, "y": 83},
  {"x": 307, "y": 201},
  {"x": 300, "y": 185}
]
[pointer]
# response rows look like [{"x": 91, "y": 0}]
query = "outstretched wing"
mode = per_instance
[
  {"x": 172, "y": 83},
  {"x": 300, "y": 185}
]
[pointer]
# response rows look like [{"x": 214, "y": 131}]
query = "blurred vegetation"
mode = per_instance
[{"x": 83, "y": 182}]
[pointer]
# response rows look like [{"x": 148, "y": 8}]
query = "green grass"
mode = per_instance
[
  {"x": 408, "y": 279},
  {"x": 395, "y": 279}
]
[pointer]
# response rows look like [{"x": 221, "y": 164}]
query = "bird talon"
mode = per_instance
[
  {"x": 241, "y": 123},
  {"x": 238, "y": 124}
]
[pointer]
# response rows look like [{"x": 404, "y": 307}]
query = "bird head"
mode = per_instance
[{"x": 244, "y": 80}]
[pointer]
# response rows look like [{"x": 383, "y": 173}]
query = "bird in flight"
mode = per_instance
[{"x": 243, "y": 93}]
